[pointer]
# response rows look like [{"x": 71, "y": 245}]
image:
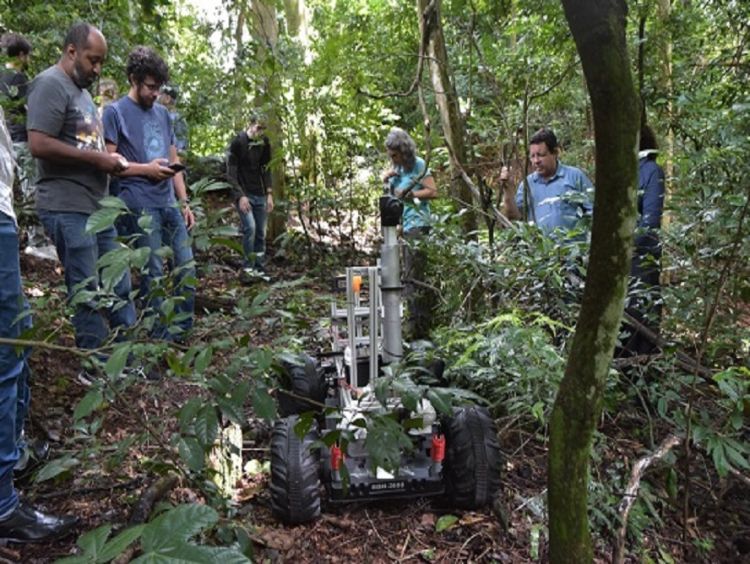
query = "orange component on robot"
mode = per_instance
[
  {"x": 438, "y": 448},
  {"x": 356, "y": 284},
  {"x": 336, "y": 457}
]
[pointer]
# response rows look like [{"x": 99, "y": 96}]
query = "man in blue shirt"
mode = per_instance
[
  {"x": 645, "y": 300},
  {"x": 153, "y": 189},
  {"x": 558, "y": 195}
]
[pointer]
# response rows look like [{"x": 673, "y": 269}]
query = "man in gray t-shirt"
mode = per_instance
[{"x": 66, "y": 137}]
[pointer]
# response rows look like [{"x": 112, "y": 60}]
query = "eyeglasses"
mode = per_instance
[
  {"x": 539, "y": 155},
  {"x": 153, "y": 87}
]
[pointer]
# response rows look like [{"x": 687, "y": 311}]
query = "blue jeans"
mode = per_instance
[
  {"x": 79, "y": 252},
  {"x": 253, "y": 228},
  {"x": 14, "y": 387},
  {"x": 167, "y": 229}
]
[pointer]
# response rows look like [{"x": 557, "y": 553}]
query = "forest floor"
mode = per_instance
[{"x": 511, "y": 531}]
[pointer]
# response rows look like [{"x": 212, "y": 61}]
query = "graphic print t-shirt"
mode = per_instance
[
  {"x": 58, "y": 108},
  {"x": 141, "y": 135}
]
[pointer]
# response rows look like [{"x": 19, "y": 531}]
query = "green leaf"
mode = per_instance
[
  {"x": 304, "y": 424},
  {"x": 382, "y": 389},
  {"x": 386, "y": 442},
  {"x": 736, "y": 457},
  {"x": 203, "y": 359},
  {"x": 74, "y": 560},
  {"x": 671, "y": 485},
  {"x": 410, "y": 401},
  {"x": 445, "y": 522},
  {"x": 114, "y": 265},
  {"x": 440, "y": 400},
  {"x": 113, "y": 202},
  {"x": 139, "y": 257},
  {"x": 88, "y": 404},
  {"x": 55, "y": 468},
  {"x": 260, "y": 298},
  {"x": 117, "y": 360},
  {"x": 93, "y": 541},
  {"x": 226, "y": 242},
  {"x": 428, "y": 554},
  {"x": 188, "y": 413},
  {"x": 186, "y": 553},
  {"x": 720, "y": 460},
  {"x": 102, "y": 219},
  {"x": 538, "y": 411},
  {"x": 263, "y": 404},
  {"x": 192, "y": 453},
  {"x": 231, "y": 410},
  {"x": 117, "y": 545},
  {"x": 177, "y": 526},
  {"x": 207, "y": 425}
]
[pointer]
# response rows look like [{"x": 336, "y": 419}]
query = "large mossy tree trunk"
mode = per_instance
[
  {"x": 430, "y": 22},
  {"x": 264, "y": 27},
  {"x": 599, "y": 32}
]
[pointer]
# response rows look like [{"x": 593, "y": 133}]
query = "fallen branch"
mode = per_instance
[
  {"x": 631, "y": 492},
  {"x": 374, "y": 528},
  {"x": 684, "y": 360},
  {"x": 740, "y": 476},
  {"x": 153, "y": 493},
  {"x": 143, "y": 508},
  {"x": 86, "y": 491}
]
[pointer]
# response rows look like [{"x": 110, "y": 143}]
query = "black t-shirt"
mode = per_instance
[
  {"x": 248, "y": 162},
  {"x": 13, "y": 86}
]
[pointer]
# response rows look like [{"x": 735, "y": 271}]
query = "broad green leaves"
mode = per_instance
[
  {"x": 386, "y": 442},
  {"x": 96, "y": 549},
  {"x": 56, "y": 467},
  {"x": 166, "y": 539}
]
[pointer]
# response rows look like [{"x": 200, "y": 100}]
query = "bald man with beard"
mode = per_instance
[{"x": 66, "y": 137}]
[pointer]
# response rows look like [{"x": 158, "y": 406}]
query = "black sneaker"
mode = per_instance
[
  {"x": 150, "y": 373},
  {"x": 87, "y": 378},
  {"x": 27, "y": 524},
  {"x": 248, "y": 276}
]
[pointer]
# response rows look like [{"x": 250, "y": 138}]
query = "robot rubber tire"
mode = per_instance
[
  {"x": 473, "y": 463},
  {"x": 305, "y": 382},
  {"x": 295, "y": 473}
]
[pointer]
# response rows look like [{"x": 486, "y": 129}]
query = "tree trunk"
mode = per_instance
[
  {"x": 664, "y": 53},
  {"x": 264, "y": 28},
  {"x": 447, "y": 103},
  {"x": 299, "y": 27},
  {"x": 298, "y": 23},
  {"x": 599, "y": 32}
]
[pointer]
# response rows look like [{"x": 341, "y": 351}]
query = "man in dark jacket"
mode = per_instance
[
  {"x": 14, "y": 84},
  {"x": 249, "y": 172}
]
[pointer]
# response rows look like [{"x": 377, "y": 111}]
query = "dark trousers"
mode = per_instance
[
  {"x": 644, "y": 303},
  {"x": 417, "y": 297}
]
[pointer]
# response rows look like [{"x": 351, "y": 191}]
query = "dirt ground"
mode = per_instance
[{"x": 511, "y": 531}]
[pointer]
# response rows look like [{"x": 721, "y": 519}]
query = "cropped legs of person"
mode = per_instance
[
  {"x": 19, "y": 522},
  {"x": 253, "y": 228},
  {"x": 166, "y": 228},
  {"x": 79, "y": 252}
]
